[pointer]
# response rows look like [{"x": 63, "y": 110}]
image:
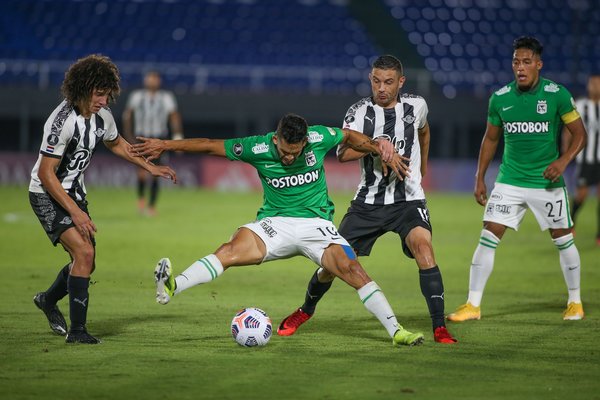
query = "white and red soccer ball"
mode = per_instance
[{"x": 251, "y": 327}]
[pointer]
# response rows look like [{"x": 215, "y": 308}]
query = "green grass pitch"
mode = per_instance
[{"x": 521, "y": 349}]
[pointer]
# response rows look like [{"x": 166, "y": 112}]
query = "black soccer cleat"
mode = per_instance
[
  {"x": 55, "y": 318},
  {"x": 81, "y": 336}
]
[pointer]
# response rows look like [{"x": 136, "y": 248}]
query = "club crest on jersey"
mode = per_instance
[
  {"x": 100, "y": 132},
  {"x": 542, "y": 107},
  {"x": 314, "y": 137},
  {"x": 310, "y": 158},
  {"x": 409, "y": 119},
  {"x": 238, "y": 149},
  {"x": 260, "y": 148}
]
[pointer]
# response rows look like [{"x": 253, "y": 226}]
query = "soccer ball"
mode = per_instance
[{"x": 251, "y": 327}]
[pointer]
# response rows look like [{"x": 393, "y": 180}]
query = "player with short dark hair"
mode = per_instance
[
  {"x": 147, "y": 113},
  {"x": 296, "y": 215},
  {"x": 387, "y": 203},
  {"x": 530, "y": 112},
  {"x": 588, "y": 161},
  {"x": 57, "y": 192}
]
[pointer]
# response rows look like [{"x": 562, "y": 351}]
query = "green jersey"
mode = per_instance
[
  {"x": 297, "y": 190},
  {"x": 532, "y": 122}
]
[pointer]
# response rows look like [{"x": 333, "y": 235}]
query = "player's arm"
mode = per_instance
[
  {"x": 424, "y": 137},
  {"x": 346, "y": 153},
  {"x": 47, "y": 175},
  {"x": 121, "y": 148},
  {"x": 361, "y": 143},
  {"x": 153, "y": 148},
  {"x": 578, "y": 140},
  {"x": 489, "y": 144}
]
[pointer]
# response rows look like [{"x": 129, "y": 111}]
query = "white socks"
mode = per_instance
[
  {"x": 570, "y": 263},
  {"x": 374, "y": 300},
  {"x": 202, "y": 271},
  {"x": 482, "y": 266}
]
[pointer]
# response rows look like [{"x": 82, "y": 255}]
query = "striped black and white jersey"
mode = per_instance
[
  {"x": 590, "y": 113},
  {"x": 151, "y": 112},
  {"x": 73, "y": 139},
  {"x": 399, "y": 124}
]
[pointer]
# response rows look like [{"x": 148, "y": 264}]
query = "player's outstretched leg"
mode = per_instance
[
  {"x": 55, "y": 318},
  {"x": 204, "y": 270},
  {"x": 165, "y": 283},
  {"x": 375, "y": 301}
]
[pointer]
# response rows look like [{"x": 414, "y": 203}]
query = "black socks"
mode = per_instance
[
  {"x": 314, "y": 292},
  {"x": 432, "y": 288},
  {"x": 78, "y": 301},
  {"x": 58, "y": 289}
]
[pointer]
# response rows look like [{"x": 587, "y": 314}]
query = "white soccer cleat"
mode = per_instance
[{"x": 165, "y": 283}]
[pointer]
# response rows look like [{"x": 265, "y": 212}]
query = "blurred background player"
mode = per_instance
[
  {"x": 387, "y": 203},
  {"x": 153, "y": 109},
  {"x": 57, "y": 191},
  {"x": 530, "y": 112},
  {"x": 588, "y": 161}
]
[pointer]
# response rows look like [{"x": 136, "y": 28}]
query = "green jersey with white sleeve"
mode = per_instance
[
  {"x": 532, "y": 122},
  {"x": 297, "y": 190}
]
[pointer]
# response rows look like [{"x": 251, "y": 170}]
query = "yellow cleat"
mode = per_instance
[
  {"x": 465, "y": 312},
  {"x": 573, "y": 312}
]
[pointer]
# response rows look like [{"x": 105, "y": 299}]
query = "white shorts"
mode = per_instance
[
  {"x": 507, "y": 205},
  {"x": 286, "y": 237}
]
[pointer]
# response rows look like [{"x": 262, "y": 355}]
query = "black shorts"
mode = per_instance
[
  {"x": 53, "y": 217},
  {"x": 363, "y": 224},
  {"x": 587, "y": 175}
]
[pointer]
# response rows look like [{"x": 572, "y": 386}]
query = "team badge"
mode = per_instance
[
  {"x": 238, "y": 149},
  {"x": 310, "y": 158},
  {"x": 409, "y": 119},
  {"x": 542, "y": 107},
  {"x": 99, "y": 132}
]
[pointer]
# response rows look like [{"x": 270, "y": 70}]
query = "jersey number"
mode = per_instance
[
  {"x": 328, "y": 231},
  {"x": 550, "y": 208}
]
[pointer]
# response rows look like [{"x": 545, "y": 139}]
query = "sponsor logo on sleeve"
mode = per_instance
[
  {"x": 503, "y": 90},
  {"x": 315, "y": 137},
  {"x": 551, "y": 88},
  {"x": 331, "y": 131},
  {"x": 259, "y": 148}
]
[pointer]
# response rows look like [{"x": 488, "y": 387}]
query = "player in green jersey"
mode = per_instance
[
  {"x": 530, "y": 111},
  {"x": 296, "y": 215}
]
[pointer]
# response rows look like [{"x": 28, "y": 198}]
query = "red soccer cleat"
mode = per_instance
[
  {"x": 292, "y": 322},
  {"x": 441, "y": 335}
]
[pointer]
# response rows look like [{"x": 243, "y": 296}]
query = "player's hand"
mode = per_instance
[
  {"x": 554, "y": 171},
  {"x": 148, "y": 147},
  {"x": 398, "y": 164},
  {"x": 84, "y": 225},
  {"x": 163, "y": 171},
  {"x": 480, "y": 192},
  {"x": 386, "y": 148}
]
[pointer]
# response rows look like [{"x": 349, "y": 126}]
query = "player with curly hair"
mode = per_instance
[{"x": 57, "y": 192}]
